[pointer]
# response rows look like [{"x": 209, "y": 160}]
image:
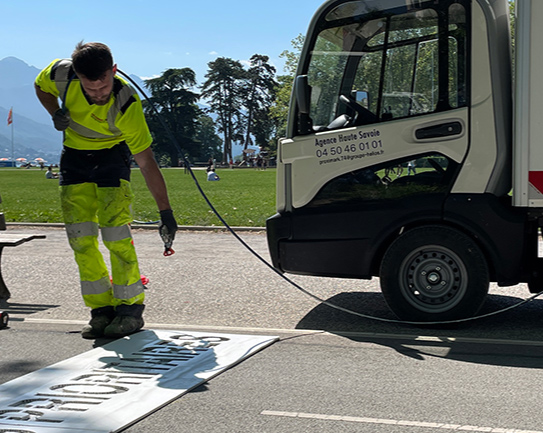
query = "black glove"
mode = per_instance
[
  {"x": 167, "y": 229},
  {"x": 61, "y": 120}
]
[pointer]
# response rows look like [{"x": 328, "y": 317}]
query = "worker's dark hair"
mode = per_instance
[{"x": 92, "y": 59}]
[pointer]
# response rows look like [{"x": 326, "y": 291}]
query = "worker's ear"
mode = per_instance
[{"x": 114, "y": 69}]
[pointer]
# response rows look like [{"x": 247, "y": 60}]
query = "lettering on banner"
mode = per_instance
[
  {"x": 187, "y": 340},
  {"x": 56, "y": 404},
  {"x": 113, "y": 379},
  {"x": 89, "y": 390},
  {"x": 9, "y": 430},
  {"x": 26, "y": 415}
]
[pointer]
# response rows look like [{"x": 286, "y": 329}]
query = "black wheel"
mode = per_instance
[{"x": 432, "y": 274}]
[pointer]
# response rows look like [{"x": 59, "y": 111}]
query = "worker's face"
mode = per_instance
[{"x": 99, "y": 90}]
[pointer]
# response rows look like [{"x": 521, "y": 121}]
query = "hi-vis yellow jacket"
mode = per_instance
[{"x": 93, "y": 126}]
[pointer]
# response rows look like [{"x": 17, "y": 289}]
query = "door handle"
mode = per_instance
[{"x": 439, "y": 131}]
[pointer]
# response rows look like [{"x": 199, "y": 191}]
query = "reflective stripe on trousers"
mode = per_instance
[{"x": 86, "y": 207}]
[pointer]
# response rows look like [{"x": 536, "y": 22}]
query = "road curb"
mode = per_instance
[{"x": 149, "y": 226}]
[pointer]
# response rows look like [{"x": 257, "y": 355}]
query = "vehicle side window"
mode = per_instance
[
  {"x": 425, "y": 174},
  {"x": 405, "y": 63},
  {"x": 410, "y": 81}
]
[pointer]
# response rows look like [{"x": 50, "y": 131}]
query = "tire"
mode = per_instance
[{"x": 434, "y": 274}]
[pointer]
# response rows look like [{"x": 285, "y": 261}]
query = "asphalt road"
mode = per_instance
[{"x": 329, "y": 372}]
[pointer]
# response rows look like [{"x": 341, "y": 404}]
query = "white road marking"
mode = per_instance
[
  {"x": 369, "y": 335},
  {"x": 112, "y": 386},
  {"x": 363, "y": 420}
]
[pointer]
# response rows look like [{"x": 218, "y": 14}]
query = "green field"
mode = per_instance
[{"x": 244, "y": 197}]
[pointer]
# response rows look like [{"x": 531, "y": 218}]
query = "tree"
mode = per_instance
[
  {"x": 293, "y": 57},
  {"x": 279, "y": 109},
  {"x": 223, "y": 88},
  {"x": 176, "y": 103},
  {"x": 283, "y": 90},
  {"x": 209, "y": 142},
  {"x": 258, "y": 94}
]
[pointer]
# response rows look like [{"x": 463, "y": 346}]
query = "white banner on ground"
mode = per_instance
[{"x": 111, "y": 387}]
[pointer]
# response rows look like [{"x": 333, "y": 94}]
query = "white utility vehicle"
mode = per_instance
[{"x": 411, "y": 157}]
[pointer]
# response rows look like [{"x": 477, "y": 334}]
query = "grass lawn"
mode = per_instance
[{"x": 244, "y": 197}]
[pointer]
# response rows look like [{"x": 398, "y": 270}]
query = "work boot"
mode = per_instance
[
  {"x": 100, "y": 319},
  {"x": 127, "y": 321}
]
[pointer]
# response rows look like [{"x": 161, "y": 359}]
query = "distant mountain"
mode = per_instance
[
  {"x": 33, "y": 134},
  {"x": 16, "y": 73},
  {"x": 31, "y": 139}
]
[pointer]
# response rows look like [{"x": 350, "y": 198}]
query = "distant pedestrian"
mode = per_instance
[{"x": 411, "y": 167}]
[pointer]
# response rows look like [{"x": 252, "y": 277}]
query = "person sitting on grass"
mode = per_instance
[
  {"x": 49, "y": 173},
  {"x": 211, "y": 175}
]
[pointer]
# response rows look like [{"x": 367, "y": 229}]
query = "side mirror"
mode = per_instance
[
  {"x": 302, "y": 91},
  {"x": 303, "y": 94}
]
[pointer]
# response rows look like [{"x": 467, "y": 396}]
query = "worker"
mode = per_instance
[{"x": 103, "y": 124}]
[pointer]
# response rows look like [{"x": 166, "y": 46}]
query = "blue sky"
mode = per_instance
[{"x": 148, "y": 37}]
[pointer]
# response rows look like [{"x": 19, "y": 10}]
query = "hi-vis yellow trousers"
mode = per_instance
[{"x": 88, "y": 209}]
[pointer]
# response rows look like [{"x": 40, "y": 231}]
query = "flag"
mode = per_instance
[{"x": 10, "y": 116}]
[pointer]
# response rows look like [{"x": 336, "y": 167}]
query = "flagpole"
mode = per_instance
[
  {"x": 12, "y": 154},
  {"x": 10, "y": 122}
]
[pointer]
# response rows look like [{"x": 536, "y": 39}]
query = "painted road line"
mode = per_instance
[
  {"x": 199, "y": 328},
  {"x": 380, "y": 421},
  {"x": 113, "y": 386},
  {"x": 412, "y": 338}
]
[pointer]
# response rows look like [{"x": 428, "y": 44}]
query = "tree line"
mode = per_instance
[{"x": 247, "y": 106}]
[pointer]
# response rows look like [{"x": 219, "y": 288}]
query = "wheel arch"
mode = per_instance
[
  {"x": 400, "y": 229},
  {"x": 497, "y": 228}
]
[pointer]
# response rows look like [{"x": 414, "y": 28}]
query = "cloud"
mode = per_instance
[{"x": 213, "y": 53}]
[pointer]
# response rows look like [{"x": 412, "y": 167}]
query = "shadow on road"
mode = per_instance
[
  {"x": 23, "y": 309},
  {"x": 513, "y": 338}
]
